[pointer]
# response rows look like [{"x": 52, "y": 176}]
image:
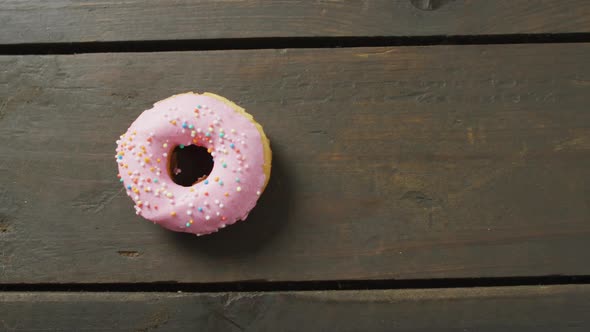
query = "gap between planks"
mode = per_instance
[
  {"x": 331, "y": 285},
  {"x": 147, "y": 46}
]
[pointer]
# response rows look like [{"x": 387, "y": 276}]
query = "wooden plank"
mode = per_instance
[
  {"x": 39, "y": 21},
  {"x": 551, "y": 308},
  {"x": 412, "y": 162}
]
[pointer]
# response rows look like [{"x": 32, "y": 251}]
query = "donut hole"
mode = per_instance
[{"x": 189, "y": 165}]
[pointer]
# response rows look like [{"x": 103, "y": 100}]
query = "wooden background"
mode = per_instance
[{"x": 391, "y": 163}]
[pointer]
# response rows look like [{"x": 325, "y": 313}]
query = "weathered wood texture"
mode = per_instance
[
  {"x": 38, "y": 21},
  {"x": 412, "y": 162},
  {"x": 554, "y": 308}
]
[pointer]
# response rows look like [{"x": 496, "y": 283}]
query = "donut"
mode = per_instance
[{"x": 234, "y": 140}]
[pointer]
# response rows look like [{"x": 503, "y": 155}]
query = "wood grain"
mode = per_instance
[
  {"x": 552, "y": 308},
  {"x": 411, "y": 162},
  {"x": 59, "y": 21}
]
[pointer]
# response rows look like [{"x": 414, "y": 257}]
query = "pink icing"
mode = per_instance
[{"x": 231, "y": 189}]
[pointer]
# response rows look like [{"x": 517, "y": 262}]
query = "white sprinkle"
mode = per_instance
[
  {"x": 239, "y": 189},
  {"x": 216, "y": 201},
  {"x": 169, "y": 195},
  {"x": 165, "y": 154},
  {"x": 191, "y": 205},
  {"x": 221, "y": 205},
  {"x": 233, "y": 131},
  {"x": 207, "y": 217},
  {"x": 258, "y": 193},
  {"x": 217, "y": 214},
  {"x": 189, "y": 212}
]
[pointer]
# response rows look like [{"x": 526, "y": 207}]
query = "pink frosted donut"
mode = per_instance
[{"x": 238, "y": 145}]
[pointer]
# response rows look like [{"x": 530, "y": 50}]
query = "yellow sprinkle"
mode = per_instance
[
  {"x": 152, "y": 169},
  {"x": 165, "y": 145},
  {"x": 147, "y": 160},
  {"x": 173, "y": 122},
  {"x": 191, "y": 221},
  {"x": 158, "y": 160},
  {"x": 173, "y": 213}
]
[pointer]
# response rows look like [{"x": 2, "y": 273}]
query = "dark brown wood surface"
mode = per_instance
[
  {"x": 553, "y": 308},
  {"x": 410, "y": 162},
  {"x": 39, "y": 21}
]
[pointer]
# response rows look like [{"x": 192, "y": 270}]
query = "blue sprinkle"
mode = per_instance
[
  {"x": 237, "y": 179},
  {"x": 198, "y": 106},
  {"x": 206, "y": 181},
  {"x": 208, "y": 135},
  {"x": 200, "y": 209},
  {"x": 129, "y": 187},
  {"x": 232, "y": 145},
  {"x": 221, "y": 135},
  {"x": 120, "y": 157},
  {"x": 184, "y": 125},
  {"x": 181, "y": 146},
  {"x": 220, "y": 183}
]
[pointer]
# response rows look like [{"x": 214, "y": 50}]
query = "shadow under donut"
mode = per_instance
[{"x": 267, "y": 218}]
